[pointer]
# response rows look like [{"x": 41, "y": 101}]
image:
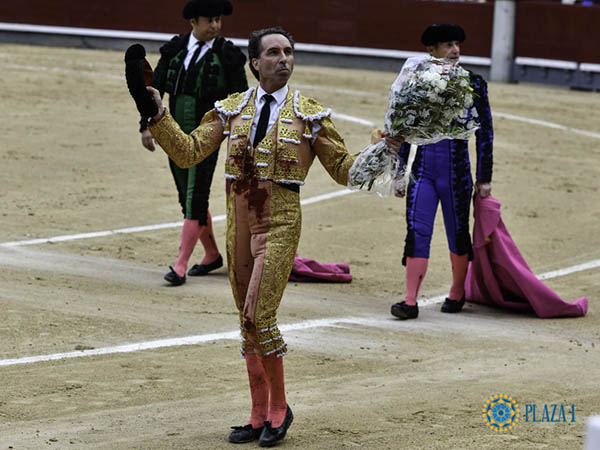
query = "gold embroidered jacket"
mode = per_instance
[{"x": 284, "y": 155}]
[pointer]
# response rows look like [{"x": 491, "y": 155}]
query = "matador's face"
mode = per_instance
[{"x": 275, "y": 63}]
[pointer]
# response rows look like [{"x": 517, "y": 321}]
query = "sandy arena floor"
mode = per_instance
[{"x": 72, "y": 163}]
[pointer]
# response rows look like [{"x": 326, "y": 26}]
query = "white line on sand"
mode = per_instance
[
  {"x": 569, "y": 270},
  {"x": 160, "y": 226},
  {"x": 543, "y": 123},
  {"x": 353, "y": 119},
  {"x": 232, "y": 335},
  {"x": 95, "y": 234}
]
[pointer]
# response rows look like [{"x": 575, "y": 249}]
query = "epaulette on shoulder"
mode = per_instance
[
  {"x": 233, "y": 105},
  {"x": 309, "y": 109},
  {"x": 231, "y": 54},
  {"x": 173, "y": 46}
]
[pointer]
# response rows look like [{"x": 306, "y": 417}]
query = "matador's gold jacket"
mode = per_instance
[{"x": 283, "y": 156}]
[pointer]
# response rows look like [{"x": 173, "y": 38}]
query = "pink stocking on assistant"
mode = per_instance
[
  {"x": 189, "y": 237},
  {"x": 207, "y": 238},
  {"x": 459, "y": 274},
  {"x": 416, "y": 268}
]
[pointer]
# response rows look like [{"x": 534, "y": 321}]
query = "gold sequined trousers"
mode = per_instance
[{"x": 263, "y": 230}]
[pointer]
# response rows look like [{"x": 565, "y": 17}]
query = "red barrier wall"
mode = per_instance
[
  {"x": 555, "y": 31},
  {"x": 543, "y": 29}
]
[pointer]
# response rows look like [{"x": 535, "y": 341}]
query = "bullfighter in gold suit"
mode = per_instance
[{"x": 273, "y": 136}]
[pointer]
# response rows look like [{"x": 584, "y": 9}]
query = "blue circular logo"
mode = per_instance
[{"x": 501, "y": 413}]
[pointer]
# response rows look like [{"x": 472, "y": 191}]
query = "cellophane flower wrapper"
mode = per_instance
[
  {"x": 375, "y": 170},
  {"x": 431, "y": 100}
]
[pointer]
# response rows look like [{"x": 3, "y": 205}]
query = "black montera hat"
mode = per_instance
[
  {"x": 207, "y": 8},
  {"x": 443, "y": 32}
]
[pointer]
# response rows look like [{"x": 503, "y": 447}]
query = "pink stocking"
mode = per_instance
[
  {"x": 277, "y": 402},
  {"x": 416, "y": 268},
  {"x": 207, "y": 238},
  {"x": 259, "y": 390},
  {"x": 189, "y": 237},
  {"x": 459, "y": 274}
]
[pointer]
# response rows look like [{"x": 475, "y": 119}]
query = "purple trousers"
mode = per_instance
[{"x": 440, "y": 176}]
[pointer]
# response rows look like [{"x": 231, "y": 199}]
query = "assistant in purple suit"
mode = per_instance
[{"x": 442, "y": 173}]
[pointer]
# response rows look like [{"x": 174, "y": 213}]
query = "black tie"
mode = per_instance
[
  {"x": 263, "y": 121},
  {"x": 196, "y": 53}
]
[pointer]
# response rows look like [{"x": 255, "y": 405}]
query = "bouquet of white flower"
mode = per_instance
[{"x": 430, "y": 100}]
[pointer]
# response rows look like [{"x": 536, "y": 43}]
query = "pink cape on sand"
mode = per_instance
[
  {"x": 499, "y": 275},
  {"x": 306, "y": 269}
]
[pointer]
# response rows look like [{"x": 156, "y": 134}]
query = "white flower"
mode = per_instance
[
  {"x": 428, "y": 77},
  {"x": 468, "y": 100}
]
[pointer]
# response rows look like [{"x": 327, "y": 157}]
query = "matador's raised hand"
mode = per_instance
[{"x": 138, "y": 74}]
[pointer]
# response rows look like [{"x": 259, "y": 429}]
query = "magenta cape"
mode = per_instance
[
  {"x": 305, "y": 269},
  {"x": 499, "y": 275}
]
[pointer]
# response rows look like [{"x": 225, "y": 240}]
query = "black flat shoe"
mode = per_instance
[
  {"x": 272, "y": 436},
  {"x": 203, "y": 269},
  {"x": 239, "y": 435},
  {"x": 403, "y": 311},
  {"x": 453, "y": 306},
  {"x": 173, "y": 278}
]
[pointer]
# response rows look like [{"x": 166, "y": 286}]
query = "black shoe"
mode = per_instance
[
  {"x": 271, "y": 436},
  {"x": 403, "y": 311},
  {"x": 203, "y": 269},
  {"x": 453, "y": 306},
  {"x": 239, "y": 435},
  {"x": 173, "y": 278}
]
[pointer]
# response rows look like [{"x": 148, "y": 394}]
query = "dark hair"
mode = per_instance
[{"x": 255, "y": 39}]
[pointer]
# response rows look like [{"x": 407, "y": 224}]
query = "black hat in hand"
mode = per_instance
[{"x": 138, "y": 74}]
